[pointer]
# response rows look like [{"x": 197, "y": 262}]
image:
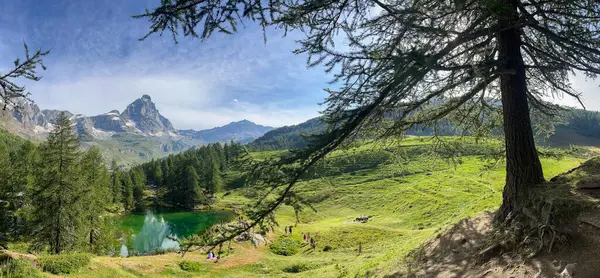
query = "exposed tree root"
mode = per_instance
[{"x": 546, "y": 219}]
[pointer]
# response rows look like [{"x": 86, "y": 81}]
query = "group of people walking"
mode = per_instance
[
  {"x": 307, "y": 238},
  {"x": 310, "y": 240}
]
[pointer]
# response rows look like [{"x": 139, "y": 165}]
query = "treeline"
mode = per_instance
[
  {"x": 191, "y": 178},
  {"x": 586, "y": 123},
  {"x": 56, "y": 196},
  {"x": 287, "y": 137}
]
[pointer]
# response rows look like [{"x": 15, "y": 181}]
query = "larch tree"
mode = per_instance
[
  {"x": 6, "y": 195},
  {"x": 409, "y": 63},
  {"x": 127, "y": 191},
  {"x": 192, "y": 193},
  {"x": 57, "y": 193},
  {"x": 115, "y": 181},
  {"x": 10, "y": 91},
  {"x": 97, "y": 193}
]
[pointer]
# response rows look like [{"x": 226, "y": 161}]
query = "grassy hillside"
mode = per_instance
[
  {"x": 133, "y": 149},
  {"x": 409, "y": 195}
]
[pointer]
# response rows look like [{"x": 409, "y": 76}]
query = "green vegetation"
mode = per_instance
[
  {"x": 429, "y": 192},
  {"x": 288, "y": 137},
  {"x": 63, "y": 263},
  {"x": 188, "y": 179},
  {"x": 14, "y": 268},
  {"x": 132, "y": 149},
  {"x": 190, "y": 266},
  {"x": 299, "y": 267},
  {"x": 55, "y": 196},
  {"x": 285, "y": 246}
]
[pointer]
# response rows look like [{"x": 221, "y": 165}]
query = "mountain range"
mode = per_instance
[{"x": 137, "y": 134}]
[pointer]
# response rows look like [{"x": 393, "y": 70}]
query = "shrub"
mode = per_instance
[
  {"x": 12, "y": 268},
  {"x": 191, "y": 266},
  {"x": 285, "y": 246},
  {"x": 297, "y": 268},
  {"x": 64, "y": 263}
]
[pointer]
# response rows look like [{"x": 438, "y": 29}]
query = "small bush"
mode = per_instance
[
  {"x": 64, "y": 263},
  {"x": 327, "y": 248},
  {"x": 285, "y": 246},
  {"x": 297, "y": 268},
  {"x": 11, "y": 268},
  {"x": 191, "y": 266}
]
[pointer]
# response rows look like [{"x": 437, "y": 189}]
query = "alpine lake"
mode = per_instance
[{"x": 153, "y": 230}]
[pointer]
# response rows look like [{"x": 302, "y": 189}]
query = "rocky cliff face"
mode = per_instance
[
  {"x": 143, "y": 115},
  {"x": 139, "y": 133}
]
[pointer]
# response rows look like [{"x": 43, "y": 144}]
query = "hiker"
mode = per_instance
[
  {"x": 313, "y": 244},
  {"x": 308, "y": 238},
  {"x": 304, "y": 236},
  {"x": 286, "y": 230},
  {"x": 290, "y": 228},
  {"x": 211, "y": 255}
]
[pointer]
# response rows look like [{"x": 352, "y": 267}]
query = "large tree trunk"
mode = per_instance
[{"x": 523, "y": 167}]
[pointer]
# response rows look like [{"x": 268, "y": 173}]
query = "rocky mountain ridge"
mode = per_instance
[
  {"x": 139, "y": 133},
  {"x": 140, "y": 117}
]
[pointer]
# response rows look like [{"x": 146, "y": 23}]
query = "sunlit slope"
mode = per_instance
[{"x": 410, "y": 195}]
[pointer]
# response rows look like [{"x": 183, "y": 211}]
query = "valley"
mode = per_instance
[
  {"x": 409, "y": 194},
  {"x": 299, "y": 139}
]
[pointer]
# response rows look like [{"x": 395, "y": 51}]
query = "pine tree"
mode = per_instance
[
  {"x": 139, "y": 184},
  {"x": 11, "y": 92},
  {"x": 127, "y": 191},
  {"x": 96, "y": 183},
  {"x": 158, "y": 175},
  {"x": 20, "y": 182},
  {"x": 214, "y": 182},
  {"x": 192, "y": 193},
  {"x": 6, "y": 194},
  {"x": 115, "y": 182},
  {"x": 58, "y": 211}
]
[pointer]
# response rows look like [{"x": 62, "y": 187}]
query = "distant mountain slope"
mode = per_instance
[
  {"x": 581, "y": 128},
  {"x": 242, "y": 132},
  {"x": 138, "y": 134},
  {"x": 287, "y": 137}
]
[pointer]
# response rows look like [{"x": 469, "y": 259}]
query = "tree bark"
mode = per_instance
[{"x": 523, "y": 167}]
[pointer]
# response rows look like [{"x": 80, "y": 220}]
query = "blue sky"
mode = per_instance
[{"x": 97, "y": 64}]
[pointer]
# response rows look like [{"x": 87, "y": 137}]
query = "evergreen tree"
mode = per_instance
[
  {"x": 127, "y": 191},
  {"x": 23, "y": 163},
  {"x": 6, "y": 194},
  {"x": 58, "y": 210},
  {"x": 158, "y": 175},
  {"x": 192, "y": 194},
  {"x": 214, "y": 181},
  {"x": 139, "y": 184},
  {"x": 96, "y": 183},
  {"x": 115, "y": 182},
  {"x": 11, "y": 92}
]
